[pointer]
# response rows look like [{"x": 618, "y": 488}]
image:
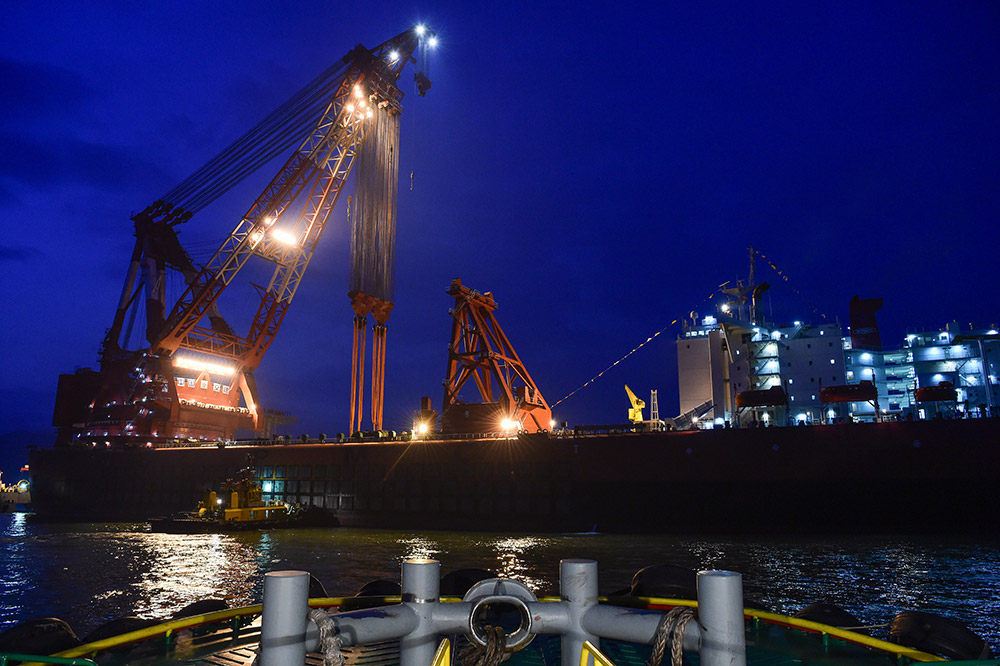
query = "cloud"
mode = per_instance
[
  {"x": 35, "y": 91},
  {"x": 45, "y": 162},
  {"x": 10, "y": 253}
]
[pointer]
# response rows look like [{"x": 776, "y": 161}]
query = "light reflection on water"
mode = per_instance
[{"x": 90, "y": 573}]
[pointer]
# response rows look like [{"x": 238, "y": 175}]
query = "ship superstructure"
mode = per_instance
[{"x": 758, "y": 373}]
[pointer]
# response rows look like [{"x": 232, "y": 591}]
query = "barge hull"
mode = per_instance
[{"x": 918, "y": 477}]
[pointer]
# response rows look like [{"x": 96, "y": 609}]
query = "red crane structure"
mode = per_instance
[
  {"x": 195, "y": 379},
  {"x": 480, "y": 351}
]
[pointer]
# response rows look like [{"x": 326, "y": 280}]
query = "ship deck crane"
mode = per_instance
[
  {"x": 191, "y": 379},
  {"x": 638, "y": 404},
  {"x": 481, "y": 352}
]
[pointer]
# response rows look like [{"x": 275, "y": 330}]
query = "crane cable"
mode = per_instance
[
  {"x": 278, "y": 130},
  {"x": 790, "y": 286},
  {"x": 650, "y": 338},
  {"x": 634, "y": 350}
]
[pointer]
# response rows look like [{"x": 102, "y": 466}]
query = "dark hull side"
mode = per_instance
[{"x": 927, "y": 476}]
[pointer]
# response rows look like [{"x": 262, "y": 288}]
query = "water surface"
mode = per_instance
[{"x": 88, "y": 574}]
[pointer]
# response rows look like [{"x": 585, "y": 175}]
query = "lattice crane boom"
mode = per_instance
[
  {"x": 313, "y": 177},
  {"x": 156, "y": 392}
]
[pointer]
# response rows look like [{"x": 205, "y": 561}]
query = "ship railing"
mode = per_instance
[
  {"x": 6, "y": 657},
  {"x": 289, "y": 632}
]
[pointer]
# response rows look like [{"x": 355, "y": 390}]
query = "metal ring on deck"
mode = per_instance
[{"x": 501, "y": 592}]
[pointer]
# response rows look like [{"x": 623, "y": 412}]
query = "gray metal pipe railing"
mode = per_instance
[{"x": 419, "y": 621}]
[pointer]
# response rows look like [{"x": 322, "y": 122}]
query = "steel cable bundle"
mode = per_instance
[
  {"x": 373, "y": 219},
  {"x": 284, "y": 127}
]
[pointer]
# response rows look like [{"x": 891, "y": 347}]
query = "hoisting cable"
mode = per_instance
[
  {"x": 640, "y": 346},
  {"x": 301, "y": 108},
  {"x": 275, "y": 133}
]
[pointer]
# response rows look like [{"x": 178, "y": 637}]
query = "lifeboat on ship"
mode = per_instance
[
  {"x": 772, "y": 397},
  {"x": 860, "y": 392},
  {"x": 943, "y": 392}
]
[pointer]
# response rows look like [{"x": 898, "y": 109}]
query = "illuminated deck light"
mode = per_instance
[{"x": 189, "y": 363}]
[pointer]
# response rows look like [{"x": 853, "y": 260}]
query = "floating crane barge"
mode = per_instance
[
  {"x": 155, "y": 426},
  {"x": 922, "y": 476}
]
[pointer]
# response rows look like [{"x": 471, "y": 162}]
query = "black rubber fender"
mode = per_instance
[
  {"x": 372, "y": 594},
  {"x": 381, "y": 588},
  {"x": 457, "y": 583},
  {"x": 665, "y": 580},
  {"x": 40, "y": 636},
  {"x": 201, "y": 607},
  {"x": 937, "y": 635},
  {"x": 119, "y": 626},
  {"x": 830, "y": 614}
]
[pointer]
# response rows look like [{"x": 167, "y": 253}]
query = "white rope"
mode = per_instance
[
  {"x": 670, "y": 633},
  {"x": 329, "y": 638}
]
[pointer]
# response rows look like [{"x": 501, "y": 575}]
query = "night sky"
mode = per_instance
[{"x": 601, "y": 168}]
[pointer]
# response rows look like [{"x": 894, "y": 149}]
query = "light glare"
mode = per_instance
[
  {"x": 283, "y": 237},
  {"x": 189, "y": 363}
]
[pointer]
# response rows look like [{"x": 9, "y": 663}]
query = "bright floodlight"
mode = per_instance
[
  {"x": 432, "y": 42},
  {"x": 421, "y": 29},
  {"x": 422, "y": 428},
  {"x": 552, "y": 423},
  {"x": 507, "y": 424},
  {"x": 283, "y": 237},
  {"x": 393, "y": 56},
  {"x": 189, "y": 363}
]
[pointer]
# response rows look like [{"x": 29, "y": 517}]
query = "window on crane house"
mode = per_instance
[
  {"x": 225, "y": 389},
  {"x": 204, "y": 383},
  {"x": 190, "y": 382}
]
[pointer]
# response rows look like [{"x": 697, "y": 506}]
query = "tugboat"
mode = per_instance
[
  {"x": 16, "y": 495},
  {"x": 238, "y": 506}
]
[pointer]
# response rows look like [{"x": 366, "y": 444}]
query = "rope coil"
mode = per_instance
[
  {"x": 493, "y": 654},
  {"x": 329, "y": 638},
  {"x": 670, "y": 633}
]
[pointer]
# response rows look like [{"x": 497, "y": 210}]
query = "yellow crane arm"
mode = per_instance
[{"x": 635, "y": 412}]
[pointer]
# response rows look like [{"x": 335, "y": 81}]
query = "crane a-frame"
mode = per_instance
[
  {"x": 196, "y": 377},
  {"x": 481, "y": 352}
]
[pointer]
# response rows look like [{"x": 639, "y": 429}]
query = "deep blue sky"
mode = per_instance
[{"x": 601, "y": 169}]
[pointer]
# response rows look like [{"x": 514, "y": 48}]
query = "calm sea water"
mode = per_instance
[{"x": 87, "y": 574}]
